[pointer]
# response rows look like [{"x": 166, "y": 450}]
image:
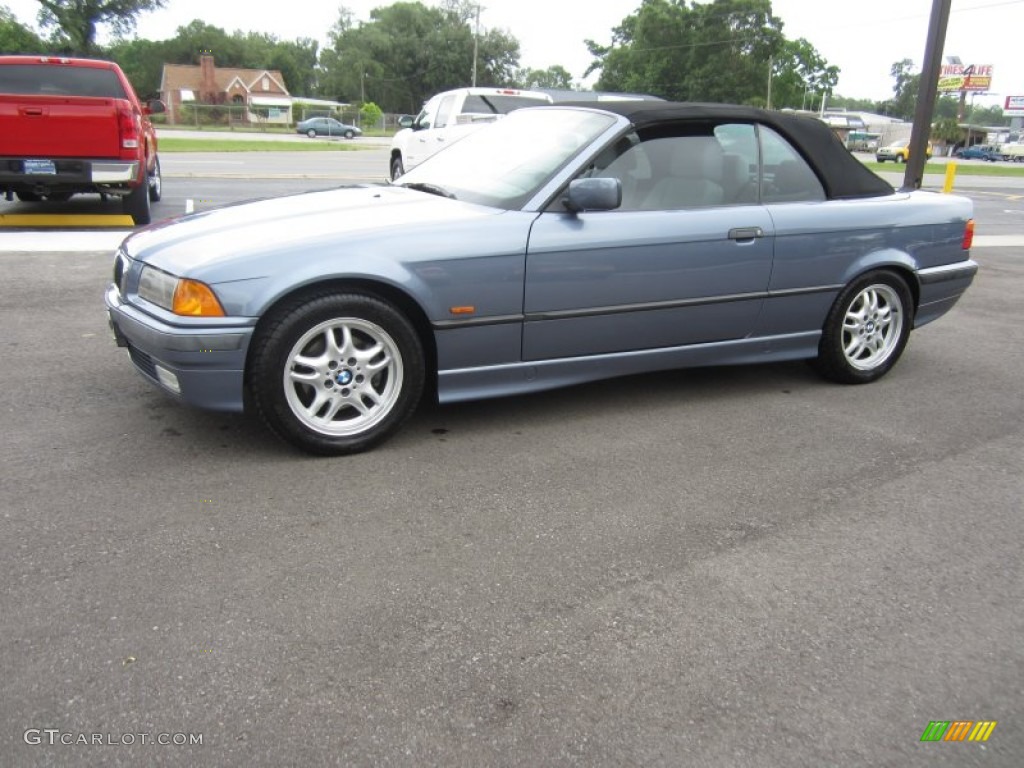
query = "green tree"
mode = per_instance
[
  {"x": 15, "y": 37},
  {"x": 717, "y": 51},
  {"x": 800, "y": 74},
  {"x": 988, "y": 116},
  {"x": 947, "y": 130},
  {"x": 407, "y": 52},
  {"x": 371, "y": 114},
  {"x": 555, "y": 76},
  {"x": 905, "y": 89},
  {"x": 297, "y": 62},
  {"x": 142, "y": 61},
  {"x": 75, "y": 21},
  {"x": 855, "y": 105}
]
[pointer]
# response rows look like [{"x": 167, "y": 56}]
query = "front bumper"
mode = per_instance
[{"x": 200, "y": 365}]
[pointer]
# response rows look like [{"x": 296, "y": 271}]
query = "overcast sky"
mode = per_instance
[{"x": 862, "y": 37}]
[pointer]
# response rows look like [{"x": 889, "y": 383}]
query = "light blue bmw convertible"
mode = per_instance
[{"x": 560, "y": 245}]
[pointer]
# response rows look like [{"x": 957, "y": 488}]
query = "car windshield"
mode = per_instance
[{"x": 505, "y": 163}]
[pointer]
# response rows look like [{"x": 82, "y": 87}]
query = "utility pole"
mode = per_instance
[
  {"x": 769, "y": 106},
  {"x": 476, "y": 43},
  {"x": 926, "y": 94}
]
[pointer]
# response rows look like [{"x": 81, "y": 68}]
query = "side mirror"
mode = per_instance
[
  {"x": 405, "y": 121},
  {"x": 593, "y": 195},
  {"x": 156, "y": 107}
]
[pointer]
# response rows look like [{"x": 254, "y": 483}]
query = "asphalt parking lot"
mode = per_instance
[{"x": 722, "y": 567}]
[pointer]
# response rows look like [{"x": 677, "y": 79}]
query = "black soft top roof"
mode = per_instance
[{"x": 842, "y": 175}]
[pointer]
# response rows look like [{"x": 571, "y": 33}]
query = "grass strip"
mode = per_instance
[
  {"x": 173, "y": 144},
  {"x": 962, "y": 169}
]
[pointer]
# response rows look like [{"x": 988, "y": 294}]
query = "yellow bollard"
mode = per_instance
[{"x": 947, "y": 187}]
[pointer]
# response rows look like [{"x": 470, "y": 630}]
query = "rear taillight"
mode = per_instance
[
  {"x": 968, "y": 235},
  {"x": 128, "y": 127}
]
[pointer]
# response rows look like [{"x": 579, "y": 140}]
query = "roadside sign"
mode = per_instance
[
  {"x": 958, "y": 77},
  {"x": 1014, "y": 106}
]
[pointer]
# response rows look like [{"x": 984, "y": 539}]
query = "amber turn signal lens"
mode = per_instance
[
  {"x": 968, "y": 235},
  {"x": 196, "y": 299}
]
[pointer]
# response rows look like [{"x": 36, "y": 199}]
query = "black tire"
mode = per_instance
[
  {"x": 136, "y": 202},
  {"x": 900, "y": 159},
  {"x": 59, "y": 197},
  {"x": 349, "y": 135},
  {"x": 156, "y": 182},
  {"x": 397, "y": 169},
  {"x": 311, "y": 133},
  {"x": 28, "y": 197},
  {"x": 866, "y": 329},
  {"x": 340, "y": 402}
]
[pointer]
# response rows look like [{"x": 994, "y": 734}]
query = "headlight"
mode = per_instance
[{"x": 178, "y": 294}]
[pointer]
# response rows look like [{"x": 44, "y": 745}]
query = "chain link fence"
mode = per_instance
[{"x": 240, "y": 117}]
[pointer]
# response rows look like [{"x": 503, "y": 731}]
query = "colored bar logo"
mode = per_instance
[{"x": 959, "y": 730}]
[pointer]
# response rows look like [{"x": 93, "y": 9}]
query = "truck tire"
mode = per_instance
[
  {"x": 156, "y": 182},
  {"x": 136, "y": 202},
  {"x": 396, "y": 168}
]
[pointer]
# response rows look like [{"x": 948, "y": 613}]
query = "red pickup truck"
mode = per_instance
[{"x": 75, "y": 125}]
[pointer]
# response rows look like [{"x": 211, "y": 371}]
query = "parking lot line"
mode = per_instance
[
  {"x": 62, "y": 242},
  {"x": 66, "y": 220}
]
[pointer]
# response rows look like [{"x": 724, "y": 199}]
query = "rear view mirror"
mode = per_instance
[
  {"x": 405, "y": 121},
  {"x": 593, "y": 195}
]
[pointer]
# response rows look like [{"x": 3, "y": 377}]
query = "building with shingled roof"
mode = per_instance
[{"x": 261, "y": 93}]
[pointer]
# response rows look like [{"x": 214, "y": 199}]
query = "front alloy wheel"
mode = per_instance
[
  {"x": 337, "y": 374},
  {"x": 866, "y": 329}
]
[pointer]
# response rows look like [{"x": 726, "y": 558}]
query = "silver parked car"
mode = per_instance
[{"x": 560, "y": 245}]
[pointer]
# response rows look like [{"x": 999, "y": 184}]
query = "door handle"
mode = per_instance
[{"x": 745, "y": 233}]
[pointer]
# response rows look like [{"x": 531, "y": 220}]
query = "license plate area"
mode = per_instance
[{"x": 39, "y": 168}]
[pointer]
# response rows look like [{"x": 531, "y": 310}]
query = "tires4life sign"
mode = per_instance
[
  {"x": 1014, "y": 106},
  {"x": 960, "y": 77}
]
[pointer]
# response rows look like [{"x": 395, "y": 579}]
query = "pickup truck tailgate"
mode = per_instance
[{"x": 47, "y": 126}]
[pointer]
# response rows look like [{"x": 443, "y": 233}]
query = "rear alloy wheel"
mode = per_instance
[
  {"x": 336, "y": 374},
  {"x": 866, "y": 330}
]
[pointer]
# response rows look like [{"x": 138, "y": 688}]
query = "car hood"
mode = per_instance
[{"x": 287, "y": 227}]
